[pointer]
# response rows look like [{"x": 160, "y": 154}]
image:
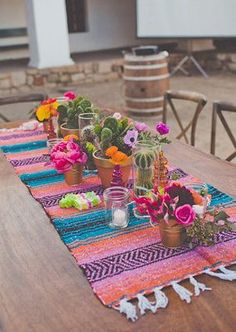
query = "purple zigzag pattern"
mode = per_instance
[
  {"x": 130, "y": 260},
  {"x": 49, "y": 201},
  {"x": 15, "y": 136},
  {"x": 29, "y": 161}
]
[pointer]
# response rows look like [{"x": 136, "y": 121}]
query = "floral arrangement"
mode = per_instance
[
  {"x": 74, "y": 105},
  {"x": 186, "y": 207},
  {"x": 46, "y": 110},
  {"x": 117, "y": 136},
  {"x": 67, "y": 153}
]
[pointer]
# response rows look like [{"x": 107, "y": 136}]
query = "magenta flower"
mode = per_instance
[
  {"x": 131, "y": 138},
  {"x": 66, "y": 154},
  {"x": 141, "y": 126},
  {"x": 162, "y": 128},
  {"x": 70, "y": 95},
  {"x": 185, "y": 215}
]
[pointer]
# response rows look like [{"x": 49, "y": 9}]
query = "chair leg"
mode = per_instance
[{"x": 213, "y": 129}]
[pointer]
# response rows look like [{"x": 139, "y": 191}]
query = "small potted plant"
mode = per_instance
[
  {"x": 180, "y": 214},
  {"x": 116, "y": 137},
  {"x": 44, "y": 113},
  {"x": 69, "y": 158},
  {"x": 69, "y": 113}
]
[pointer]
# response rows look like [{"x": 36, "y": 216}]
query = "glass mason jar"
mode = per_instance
[
  {"x": 116, "y": 206},
  {"x": 87, "y": 122},
  {"x": 145, "y": 154}
]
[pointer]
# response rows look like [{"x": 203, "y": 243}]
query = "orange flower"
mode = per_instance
[
  {"x": 197, "y": 198},
  {"x": 118, "y": 157},
  {"x": 111, "y": 151},
  {"x": 71, "y": 136}
]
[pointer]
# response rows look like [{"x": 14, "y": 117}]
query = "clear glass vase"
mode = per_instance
[
  {"x": 116, "y": 206},
  {"x": 145, "y": 155}
]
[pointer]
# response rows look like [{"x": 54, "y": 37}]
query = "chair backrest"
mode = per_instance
[
  {"x": 199, "y": 99},
  {"x": 21, "y": 99},
  {"x": 218, "y": 108}
]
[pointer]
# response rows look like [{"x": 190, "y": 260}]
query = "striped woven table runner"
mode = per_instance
[{"x": 126, "y": 264}]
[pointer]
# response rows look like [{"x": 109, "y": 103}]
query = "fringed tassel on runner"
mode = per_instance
[
  {"x": 128, "y": 309},
  {"x": 144, "y": 304},
  {"x": 198, "y": 286},
  {"x": 225, "y": 274},
  {"x": 183, "y": 292},
  {"x": 161, "y": 298}
]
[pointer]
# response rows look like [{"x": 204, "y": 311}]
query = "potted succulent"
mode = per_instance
[
  {"x": 68, "y": 113},
  {"x": 69, "y": 158},
  {"x": 181, "y": 215},
  {"x": 116, "y": 136}
]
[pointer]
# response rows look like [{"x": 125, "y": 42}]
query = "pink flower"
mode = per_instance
[
  {"x": 220, "y": 222},
  {"x": 117, "y": 116},
  {"x": 185, "y": 215},
  {"x": 66, "y": 154},
  {"x": 162, "y": 128},
  {"x": 70, "y": 95},
  {"x": 131, "y": 138},
  {"x": 141, "y": 126}
]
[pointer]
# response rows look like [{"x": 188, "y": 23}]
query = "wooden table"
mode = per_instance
[{"x": 42, "y": 289}]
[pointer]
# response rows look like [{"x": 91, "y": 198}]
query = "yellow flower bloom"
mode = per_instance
[{"x": 43, "y": 113}]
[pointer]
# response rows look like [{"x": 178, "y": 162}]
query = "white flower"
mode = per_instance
[
  {"x": 117, "y": 116},
  {"x": 199, "y": 210}
]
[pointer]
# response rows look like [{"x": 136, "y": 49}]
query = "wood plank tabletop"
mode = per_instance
[{"x": 42, "y": 288}]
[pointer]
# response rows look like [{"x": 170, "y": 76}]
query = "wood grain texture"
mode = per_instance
[{"x": 42, "y": 288}]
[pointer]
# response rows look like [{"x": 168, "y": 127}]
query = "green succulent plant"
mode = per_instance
[
  {"x": 144, "y": 178},
  {"x": 69, "y": 112}
]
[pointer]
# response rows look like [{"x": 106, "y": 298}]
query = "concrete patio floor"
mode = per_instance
[{"x": 217, "y": 87}]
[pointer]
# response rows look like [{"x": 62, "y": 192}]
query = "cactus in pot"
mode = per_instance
[{"x": 144, "y": 158}]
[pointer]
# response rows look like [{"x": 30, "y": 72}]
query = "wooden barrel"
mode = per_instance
[{"x": 146, "y": 80}]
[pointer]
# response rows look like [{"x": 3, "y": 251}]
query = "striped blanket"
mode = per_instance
[{"x": 126, "y": 264}]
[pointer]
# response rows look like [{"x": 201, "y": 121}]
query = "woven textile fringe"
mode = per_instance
[
  {"x": 161, "y": 300},
  {"x": 225, "y": 274}
]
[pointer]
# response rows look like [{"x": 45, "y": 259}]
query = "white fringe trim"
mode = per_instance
[
  {"x": 161, "y": 300},
  {"x": 183, "y": 292},
  {"x": 198, "y": 286},
  {"x": 225, "y": 274}
]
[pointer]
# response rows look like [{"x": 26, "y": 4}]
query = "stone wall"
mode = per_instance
[
  {"x": 27, "y": 79},
  {"x": 23, "y": 81}
]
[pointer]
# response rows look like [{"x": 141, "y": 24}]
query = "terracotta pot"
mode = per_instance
[
  {"x": 105, "y": 169},
  {"x": 49, "y": 129},
  {"x": 75, "y": 175},
  {"x": 172, "y": 235},
  {"x": 66, "y": 131}
]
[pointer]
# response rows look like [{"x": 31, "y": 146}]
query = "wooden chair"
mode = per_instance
[
  {"x": 218, "y": 108},
  {"x": 194, "y": 97},
  {"x": 20, "y": 99}
]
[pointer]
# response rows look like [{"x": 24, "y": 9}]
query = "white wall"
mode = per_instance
[
  {"x": 111, "y": 24},
  {"x": 12, "y": 14}
]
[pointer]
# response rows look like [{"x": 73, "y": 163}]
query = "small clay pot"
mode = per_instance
[
  {"x": 105, "y": 169},
  {"x": 66, "y": 131},
  {"x": 75, "y": 175},
  {"x": 172, "y": 234}
]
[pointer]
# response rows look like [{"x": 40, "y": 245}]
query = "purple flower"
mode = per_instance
[
  {"x": 131, "y": 137},
  {"x": 141, "y": 126},
  {"x": 185, "y": 215},
  {"x": 162, "y": 128}
]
